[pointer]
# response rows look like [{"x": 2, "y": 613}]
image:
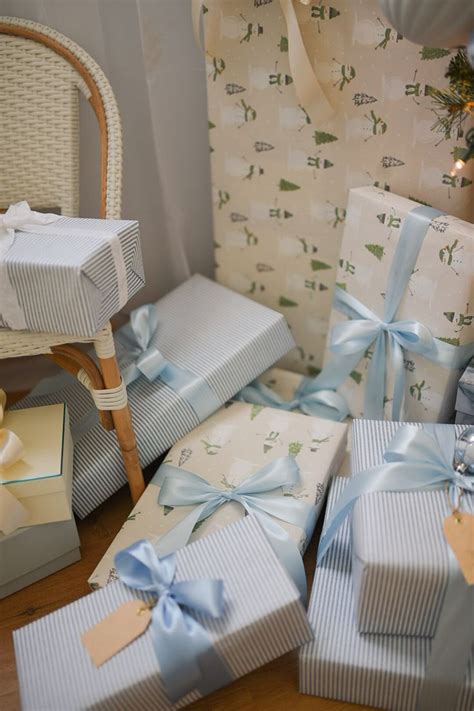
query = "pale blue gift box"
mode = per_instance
[
  {"x": 384, "y": 671},
  {"x": 218, "y": 335},
  {"x": 263, "y": 619}
]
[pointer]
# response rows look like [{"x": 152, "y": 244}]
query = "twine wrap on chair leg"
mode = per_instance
[{"x": 108, "y": 398}]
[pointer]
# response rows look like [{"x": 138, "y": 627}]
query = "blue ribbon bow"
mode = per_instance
[
  {"x": 184, "y": 649},
  {"x": 257, "y": 495},
  {"x": 137, "y": 338},
  {"x": 418, "y": 459}
]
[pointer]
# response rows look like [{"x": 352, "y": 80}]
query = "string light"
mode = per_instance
[{"x": 467, "y": 155}]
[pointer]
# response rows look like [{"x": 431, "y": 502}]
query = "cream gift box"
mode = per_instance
[
  {"x": 281, "y": 176},
  {"x": 221, "y": 339},
  {"x": 384, "y": 671},
  {"x": 400, "y": 562},
  {"x": 70, "y": 275},
  {"x": 42, "y": 479},
  {"x": 225, "y": 450},
  {"x": 32, "y": 553},
  {"x": 465, "y": 397},
  {"x": 263, "y": 619},
  {"x": 438, "y": 295}
]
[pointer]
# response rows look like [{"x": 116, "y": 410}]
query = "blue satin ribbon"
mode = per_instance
[
  {"x": 137, "y": 339},
  {"x": 184, "y": 650},
  {"x": 258, "y": 495},
  {"x": 311, "y": 397},
  {"x": 415, "y": 460}
]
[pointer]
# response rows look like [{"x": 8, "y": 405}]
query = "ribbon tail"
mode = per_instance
[
  {"x": 451, "y": 645},
  {"x": 180, "y": 534},
  {"x": 308, "y": 89},
  {"x": 399, "y": 384},
  {"x": 259, "y": 394},
  {"x": 211, "y": 29},
  {"x": 13, "y": 514},
  {"x": 375, "y": 387}
]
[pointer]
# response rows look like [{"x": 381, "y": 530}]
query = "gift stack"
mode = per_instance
[{"x": 392, "y": 601}]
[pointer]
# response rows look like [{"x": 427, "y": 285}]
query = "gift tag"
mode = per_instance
[
  {"x": 115, "y": 632},
  {"x": 459, "y": 533}
]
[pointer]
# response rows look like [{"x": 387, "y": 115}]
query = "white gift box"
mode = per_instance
[
  {"x": 263, "y": 619},
  {"x": 29, "y": 554},
  {"x": 225, "y": 450},
  {"x": 42, "y": 479},
  {"x": 384, "y": 671}
]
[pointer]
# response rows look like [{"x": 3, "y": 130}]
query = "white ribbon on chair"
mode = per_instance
[
  {"x": 21, "y": 217},
  {"x": 12, "y": 513},
  {"x": 307, "y": 87}
]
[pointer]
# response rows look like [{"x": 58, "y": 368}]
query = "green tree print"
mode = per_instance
[{"x": 377, "y": 250}]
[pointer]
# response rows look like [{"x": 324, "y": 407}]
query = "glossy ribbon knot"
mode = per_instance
[
  {"x": 308, "y": 90},
  {"x": 12, "y": 513},
  {"x": 415, "y": 460},
  {"x": 310, "y": 397},
  {"x": 260, "y": 495},
  {"x": 184, "y": 649},
  {"x": 137, "y": 339}
]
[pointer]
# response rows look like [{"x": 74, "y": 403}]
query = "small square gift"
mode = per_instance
[
  {"x": 180, "y": 627},
  {"x": 65, "y": 274},
  {"x": 182, "y": 359},
  {"x": 32, "y": 553},
  {"x": 401, "y": 326},
  {"x": 465, "y": 397},
  {"x": 400, "y": 558},
  {"x": 252, "y": 459},
  {"x": 36, "y": 461},
  {"x": 392, "y": 672}
]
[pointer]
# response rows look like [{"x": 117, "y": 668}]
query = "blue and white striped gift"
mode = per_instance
[
  {"x": 399, "y": 554},
  {"x": 73, "y": 275},
  {"x": 263, "y": 619},
  {"x": 223, "y": 337},
  {"x": 385, "y": 671}
]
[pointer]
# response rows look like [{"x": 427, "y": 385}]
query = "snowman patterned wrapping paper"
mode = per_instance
[{"x": 281, "y": 182}]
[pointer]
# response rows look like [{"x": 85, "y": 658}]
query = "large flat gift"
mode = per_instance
[
  {"x": 32, "y": 553},
  {"x": 228, "y": 448},
  {"x": 401, "y": 318},
  {"x": 66, "y": 274},
  {"x": 262, "y": 618},
  {"x": 282, "y": 165},
  {"x": 41, "y": 479},
  {"x": 383, "y": 671},
  {"x": 465, "y": 397},
  {"x": 186, "y": 355},
  {"x": 400, "y": 562}
]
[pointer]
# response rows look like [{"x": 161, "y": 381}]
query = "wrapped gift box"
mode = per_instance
[
  {"x": 71, "y": 276},
  {"x": 384, "y": 671},
  {"x": 465, "y": 397},
  {"x": 263, "y": 619},
  {"x": 32, "y": 553},
  {"x": 374, "y": 222},
  {"x": 399, "y": 553},
  {"x": 42, "y": 479},
  {"x": 281, "y": 177},
  {"x": 225, "y": 450},
  {"x": 204, "y": 328}
]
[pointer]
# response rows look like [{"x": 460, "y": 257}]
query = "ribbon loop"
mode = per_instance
[
  {"x": 179, "y": 487},
  {"x": 183, "y": 648}
]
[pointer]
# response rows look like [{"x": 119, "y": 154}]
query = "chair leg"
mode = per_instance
[{"x": 124, "y": 429}]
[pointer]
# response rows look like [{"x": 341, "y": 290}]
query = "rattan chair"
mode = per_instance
[{"x": 41, "y": 75}]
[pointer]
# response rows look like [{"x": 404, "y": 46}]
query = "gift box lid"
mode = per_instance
[
  {"x": 43, "y": 469},
  {"x": 263, "y": 619}
]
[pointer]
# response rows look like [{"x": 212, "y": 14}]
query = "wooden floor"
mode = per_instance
[{"x": 274, "y": 687}]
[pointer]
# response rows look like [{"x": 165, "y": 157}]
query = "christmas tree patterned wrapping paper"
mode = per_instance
[
  {"x": 438, "y": 295},
  {"x": 225, "y": 450},
  {"x": 281, "y": 182}
]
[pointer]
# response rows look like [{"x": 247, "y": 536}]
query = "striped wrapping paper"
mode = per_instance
[
  {"x": 263, "y": 619},
  {"x": 465, "y": 397},
  {"x": 69, "y": 283},
  {"x": 384, "y": 671},
  {"x": 400, "y": 561},
  {"x": 215, "y": 333}
]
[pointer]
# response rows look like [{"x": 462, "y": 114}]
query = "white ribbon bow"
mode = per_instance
[
  {"x": 12, "y": 513},
  {"x": 20, "y": 217}
]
